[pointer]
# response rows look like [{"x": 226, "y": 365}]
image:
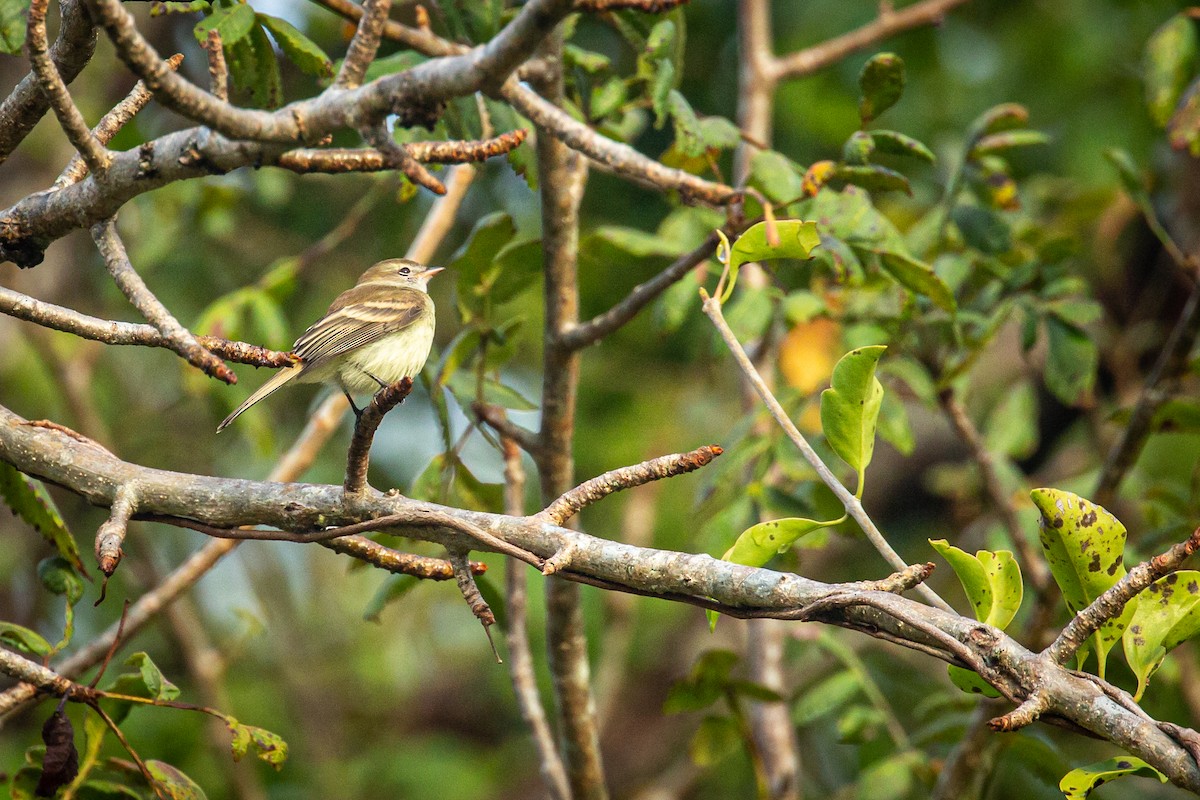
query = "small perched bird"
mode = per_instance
[{"x": 372, "y": 335}]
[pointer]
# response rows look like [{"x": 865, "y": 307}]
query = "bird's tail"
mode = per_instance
[{"x": 277, "y": 380}]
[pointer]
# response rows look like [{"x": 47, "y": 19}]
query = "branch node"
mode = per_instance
[
  {"x": 358, "y": 459},
  {"x": 561, "y": 559},
  {"x": 1023, "y": 715},
  {"x": 470, "y": 592},
  {"x": 111, "y": 535}
]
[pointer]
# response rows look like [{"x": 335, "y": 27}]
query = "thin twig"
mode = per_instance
[
  {"x": 339, "y": 160},
  {"x": 364, "y": 45},
  {"x": 585, "y": 494},
  {"x": 397, "y": 157},
  {"x": 177, "y": 337},
  {"x": 496, "y": 417},
  {"x": 712, "y": 308},
  {"x": 111, "y": 534},
  {"x": 396, "y": 562},
  {"x": 807, "y": 61},
  {"x": 218, "y": 74},
  {"x": 1111, "y": 603},
  {"x": 55, "y": 89},
  {"x": 358, "y": 459},
  {"x": 646, "y": 6},
  {"x": 111, "y": 123},
  {"x": 465, "y": 580}
]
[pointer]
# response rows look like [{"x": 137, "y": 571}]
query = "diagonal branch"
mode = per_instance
[
  {"x": 601, "y": 325},
  {"x": 111, "y": 123},
  {"x": 1111, "y": 603},
  {"x": 358, "y": 458},
  {"x": 71, "y": 51},
  {"x": 364, "y": 45},
  {"x": 177, "y": 337},
  {"x": 712, "y": 308},
  {"x": 55, "y": 89},
  {"x": 888, "y": 23},
  {"x": 589, "y": 492}
]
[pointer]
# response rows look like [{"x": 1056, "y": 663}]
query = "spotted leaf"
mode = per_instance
[{"x": 1167, "y": 613}]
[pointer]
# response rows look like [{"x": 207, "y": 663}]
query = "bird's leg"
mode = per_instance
[
  {"x": 382, "y": 385},
  {"x": 357, "y": 411}
]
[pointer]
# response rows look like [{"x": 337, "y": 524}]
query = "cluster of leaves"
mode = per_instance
[{"x": 1172, "y": 84}]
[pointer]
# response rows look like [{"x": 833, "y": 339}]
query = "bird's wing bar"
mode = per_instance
[{"x": 357, "y": 325}]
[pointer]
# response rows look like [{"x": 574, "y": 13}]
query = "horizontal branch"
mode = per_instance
[
  {"x": 337, "y": 160},
  {"x": 114, "y": 332},
  {"x": 95, "y": 475}
]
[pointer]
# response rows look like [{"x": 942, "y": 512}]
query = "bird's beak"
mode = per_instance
[{"x": 431, "y": 271}]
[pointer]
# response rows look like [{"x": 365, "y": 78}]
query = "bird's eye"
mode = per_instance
[{"x": 405, "y": 270}]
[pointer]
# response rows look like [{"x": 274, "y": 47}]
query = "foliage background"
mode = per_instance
[{"x": 412, "y": 705}]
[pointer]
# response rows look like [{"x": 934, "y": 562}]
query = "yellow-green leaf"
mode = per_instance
[
  {"x": 30, "y": 501},
  {"x": 850, "y": 407},
  {"x": 796, "y": 239},
  {"x": 1078, "y": 783},
  {"x": 1167, "y": 613}
]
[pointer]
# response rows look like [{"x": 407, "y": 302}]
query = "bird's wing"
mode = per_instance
[{"x": 353, "y": 323}]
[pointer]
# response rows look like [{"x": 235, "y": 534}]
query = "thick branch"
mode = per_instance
[
  {"x": 364, "y": 45},
  {"x": 177, "y": 337},
  {"x": 589, "y": 492},
  {"x": 96, "y": 474},
  {"x": 71, "y": 51},
  {"x": 888, "y": 23},
  {"x": 336, "y": 160}
]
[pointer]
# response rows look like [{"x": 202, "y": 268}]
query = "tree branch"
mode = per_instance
[
  {"x": 1111, "y": 603},
  {"x": 337, "y": 160},
  {"x": 358, "y": 458},
  {"x": 70, "y": 53},
  {"x": 364, "y": 45},
  {"x": 176, "y": 337},
  {"x": 112, "y": 332},
  {"x": 888, "y": 23},
  {"x": 853, "y": 507},
  {"x": 585, "y": 494}
]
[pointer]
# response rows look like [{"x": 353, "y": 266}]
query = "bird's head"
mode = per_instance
[{"x": 401, "y": 270}]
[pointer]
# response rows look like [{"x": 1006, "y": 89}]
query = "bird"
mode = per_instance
[{"x": 373, "y": 335}]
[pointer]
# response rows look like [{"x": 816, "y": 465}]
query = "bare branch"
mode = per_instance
[
  {"x": 112, "y": 332},
  {"x": 1023, "y": 715},
  {"x": 359, "y": 456},
  {"x": 378, "y": 555},
  {"x": 470, "y": 592},
  {"x": 71, "y": 51},
  {"x": 601, "y": 325},
  {"x": 647, "y": 6},
  {"x": 111, "y": 123},
  {"x": 520, "y": 657},
  {"x": 111, "y": 535},
  {"x": 397, "y": 157},
  {"x": 364, "y": 45},
  {"x": 497, "y": 419},
  {"x": 1111, "y": 603},
  {"x": 890, "y": 22},
  {"x": 853, "y": 507},
  {"x": 337, "y": 160},
  {"x": 589, "y": 492},
  {"x": 218, "y": 73},
  {"x": 177, "y": 337},
  {"x": 55, "y": 89}
]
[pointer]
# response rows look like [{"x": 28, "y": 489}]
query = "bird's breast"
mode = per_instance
[{"x": 398, "y": 355}]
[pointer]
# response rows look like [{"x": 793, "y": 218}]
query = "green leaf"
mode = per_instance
[
  {"x": 1071, "y": 362},
  {"x": 21, "y": 638},
  {"x": 704, "y": 685},
  {"x": 391, "y": 64},
  {"x": 775, "y": 176},
  {"x": 970, "y": 682},
  {"x": 895, "y": 428},
  {"x": 999, "y": 142},
  {"x": 826, "y": 696},
  {"x": 897, "y": 144},
  {"x": 233, "y": 23},
  {"x": 1166, "y": 614},
  {"x": 1078, "y": 783},
  {"x": 873, "y": 178},
  {"x": 59, "y": 576},
  {"x": 881, "y": 82},
  {"x": 156, "y": 683},
  {"x": 858, "y": 148},
  {"x": 157, "y": 9},
  {"x": 1003, "y": 117},
  {"x": 472, "y": 259},
  {"x": 32, "y": 503},
  {"x": 173, "y": 782},
  {"x": 1085, "y": 546},
  {"x": 891, "y": 778},
  {"x": 983, "y": 229},
  {"x": 688, "y": 137},
  {"x": 393, "y": 588},
  {"x": 715, "y": 739},
  {"x": 463, "y": 386},
  {"x": 587, "y": 60},
  {"x": 796, "y": 240},
  {"x": 661, "y": 86},
  {"x": 1168, "y": 65},
  {"x": 1183, "y": 131},
  {"x": 1012, "y": 427},
  {"x": 918, "y": 277},
  {"x": 992, "y": 581},
  {"x": 759, "y": 544},
  {"x": 299, "y": 49},
  {"x": 850, "y": 407},
  {"x": 12, "y": 26},
  {"x": 268, "y": 82}
]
